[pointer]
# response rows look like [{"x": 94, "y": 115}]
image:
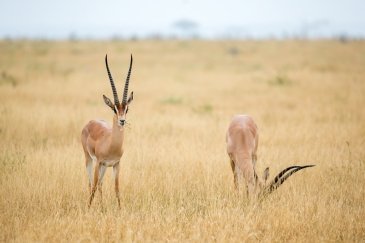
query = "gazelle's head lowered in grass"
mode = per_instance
[{"x": 242, "y": 142}]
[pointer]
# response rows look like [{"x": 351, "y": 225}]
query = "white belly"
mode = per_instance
[{"x": 109, "y": 163}]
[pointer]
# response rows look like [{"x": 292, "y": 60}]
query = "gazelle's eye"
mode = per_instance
[{"x": 126, "y": 111}]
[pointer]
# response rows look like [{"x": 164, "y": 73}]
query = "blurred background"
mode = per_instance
[{"x": 183, "y": 19}]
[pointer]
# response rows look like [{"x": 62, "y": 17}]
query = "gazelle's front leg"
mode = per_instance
[
  {"x": 95, "y": 185},
  {"x": 116, "y": 178}
]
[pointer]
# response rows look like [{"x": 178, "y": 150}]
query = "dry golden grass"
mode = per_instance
[{"x": 307, "y": 98}]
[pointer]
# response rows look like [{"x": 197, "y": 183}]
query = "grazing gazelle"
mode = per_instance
[
  {"x": 242, "y": 141},
  {"x": 103, "y": 143}
]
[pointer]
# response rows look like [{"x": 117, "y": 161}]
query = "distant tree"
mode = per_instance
[
  {"x": 186, "y": 28},
  {"x": 73, "y": 37}
]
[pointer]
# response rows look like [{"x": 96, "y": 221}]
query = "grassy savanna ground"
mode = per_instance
[{"x": 176, "y": 184}]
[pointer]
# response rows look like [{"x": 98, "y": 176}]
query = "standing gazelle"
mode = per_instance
[
  {"x": 242, "y": 141},
  {"x": 104, "y": 144}
]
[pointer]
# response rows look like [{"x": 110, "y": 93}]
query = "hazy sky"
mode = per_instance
[{"x": 102, "y": 19}]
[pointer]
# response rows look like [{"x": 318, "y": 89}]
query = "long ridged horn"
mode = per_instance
[
  {"x": 281, "y": 177},
  {"x": 125, "y": 93},
  {"x": 276, "y": 179},
  {"x": 115, "y": 94}
]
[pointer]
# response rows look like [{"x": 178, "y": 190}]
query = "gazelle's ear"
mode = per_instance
[
  {"x": 130, "y": 98},
  {"x": 266, "y": 174},
  {"x": 109, "y": 103}
]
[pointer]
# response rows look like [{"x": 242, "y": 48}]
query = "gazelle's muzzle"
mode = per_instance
[{"x": 122, "y": 122}]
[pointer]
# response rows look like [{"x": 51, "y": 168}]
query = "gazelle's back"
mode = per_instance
[{"x": 96, "y": 129}]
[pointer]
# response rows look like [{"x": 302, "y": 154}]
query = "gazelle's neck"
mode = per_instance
[{"x": 117, "y": 135}]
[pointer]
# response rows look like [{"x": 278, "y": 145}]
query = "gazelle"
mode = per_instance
[
  {"x": 242, "y": 141},
  {"x": 102, "y": 143}
]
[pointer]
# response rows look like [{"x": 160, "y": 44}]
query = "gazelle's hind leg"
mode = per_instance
[
  {"x": 89, "y": 169},
  {"x": 235, "y": 179},
  {"x": 254, "y": 152},
  {"x": 254, "y": 160},
  {"x": 95, "y": 182},
  {"x": 88, "y": 158},
  {"x": 89, "y": 166}
]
